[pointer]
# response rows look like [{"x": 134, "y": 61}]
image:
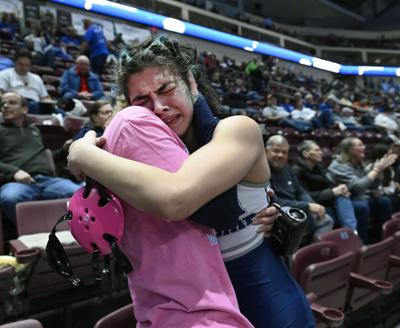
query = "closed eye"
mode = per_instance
[{"x": 140, "y": 101}]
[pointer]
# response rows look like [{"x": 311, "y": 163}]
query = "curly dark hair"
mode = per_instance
[{"x": 167, "y": 53}]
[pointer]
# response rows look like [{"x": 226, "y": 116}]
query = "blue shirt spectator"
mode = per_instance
[
  {"x": 5, "y": 63},
  {"x": 96, "y": 44},
  {"x": 80, "y": 83}
]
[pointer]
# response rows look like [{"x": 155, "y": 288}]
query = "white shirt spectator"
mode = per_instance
[
  {"x": 387, "y": 122},
  {"x": 274, "y": 112},
  {"x": 305, "y": 114},
  {"x": 29, "y": 86}
]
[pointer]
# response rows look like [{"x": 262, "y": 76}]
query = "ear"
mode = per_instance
[
  {"x": 25, "y": 108},
  {"x": 192, "y": 85}
]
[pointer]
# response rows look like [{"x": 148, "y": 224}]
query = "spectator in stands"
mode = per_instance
[
  {"x": 348, "y": 168},
  {"x": 26, "y": 168},
  {"x": 287, "y": 105},
  {"x": 42, "y": 53},
  {"x": 388, "y": 122},
  {"x": 386, "y": 180},
  {"x": 289, "y": 192},
  {"x": 302, "y": 118},
  {"x": 273, "y": 112},
  {"x": 344, "y": 119},
  {"x": 70, "y": 38},
  {"x": 99, "y": 114},
  {"x": 9, "y": 26},
  {"x": 70, "y": 107},
  {"x": 157, "y": 74},
  {"x": 95, "y": 44},
  {"x": 312, "y": 176},
  {"x": 309, "y": 101},
  {"x": 80, "y": 83},
  {"x": 21, "y": 80}
]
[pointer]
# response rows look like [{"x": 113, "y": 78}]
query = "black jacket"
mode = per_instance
[
  {"x": 315, "y": 182},
  {"x": 21, "y": 148},
  {"x": 288, "y": 191}
]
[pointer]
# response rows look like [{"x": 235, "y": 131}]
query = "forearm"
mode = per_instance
[
  {"x": 147, "y": 188},
  {"x": 361, "y": 185},
  {"x": 201, "y": 177}
]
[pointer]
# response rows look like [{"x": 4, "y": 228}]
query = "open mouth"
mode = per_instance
[{"x": 171, "y": 119}]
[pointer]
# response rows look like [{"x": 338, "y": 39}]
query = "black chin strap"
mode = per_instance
[{"x": 121, "y": 259}]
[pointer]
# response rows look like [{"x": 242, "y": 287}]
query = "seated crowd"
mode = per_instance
[
  {"x": 319, "y": 134},
  {"x": 296, "y": 104}
]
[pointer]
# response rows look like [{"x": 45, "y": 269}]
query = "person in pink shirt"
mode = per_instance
[{"x": 178, "y": 277}]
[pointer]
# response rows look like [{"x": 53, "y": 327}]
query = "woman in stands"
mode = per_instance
[
  {"x": 227, "y": 160},
  {"x": 99, "y": 114},
  {"x": 348, "y": 168}
]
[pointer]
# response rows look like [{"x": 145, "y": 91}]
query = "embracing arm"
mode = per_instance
[{"x": 236, "y": 147}]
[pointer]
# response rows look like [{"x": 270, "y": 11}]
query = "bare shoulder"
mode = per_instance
[{"x": 238, "y": 126}]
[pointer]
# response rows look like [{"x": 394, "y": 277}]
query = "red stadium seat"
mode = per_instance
[
  {"x": 54, "y": 136},
  {"x": 121, "y": 318},
  {"x": 392, "y": 228},
  {"x": 42, "y": 119},
  {"x": 73, "y": 124},
  {"x": 321, "y": 271},
  {"x": 367, "y": 279}
]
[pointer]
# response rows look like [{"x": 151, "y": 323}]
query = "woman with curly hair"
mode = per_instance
[{"x": 222, "y": 184}]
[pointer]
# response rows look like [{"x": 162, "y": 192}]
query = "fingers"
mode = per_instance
[
  {"x": 100, "y": 142},
  {"x": 90, "y": 136},
  {"x": 266, "y": 219},
  {"x": 268, "y": 211}
]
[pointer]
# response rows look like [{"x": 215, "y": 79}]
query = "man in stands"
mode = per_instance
[
  {"x": 25, "y": 168},
  {"x": 289, "y": 192},
  {"x": 78, "y": 82},
  {"x": 21, "y": 80},
  {"x": 95, "y": 44}
]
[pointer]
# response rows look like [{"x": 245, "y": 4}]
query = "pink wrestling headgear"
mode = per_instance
[{"x": 96, "y": 219}]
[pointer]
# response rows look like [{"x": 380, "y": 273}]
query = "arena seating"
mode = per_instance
[
  {"x": 368, "y": 272},
  {"x": 320, "y": 270},
  {"x": 73, "y": 124},
  {"x": 392, "y": 228},
  {"x": 6, "y": 275},
  {"x": 121, "y": 318}
]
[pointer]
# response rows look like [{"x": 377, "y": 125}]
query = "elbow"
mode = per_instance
[
  {"x": 175, "y": 211},
  {"x": 175, "y": 207}
]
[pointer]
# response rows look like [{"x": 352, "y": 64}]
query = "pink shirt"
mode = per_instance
[{"x": 178, "y": 277}]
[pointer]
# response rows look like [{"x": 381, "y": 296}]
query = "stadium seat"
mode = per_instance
[
  {"x": 396, "y": 215},
  {"x": 320, "y": 270},
  {"x": 369, "y": 268},
  {"x": 41, "y": 70},
  {"x": 42, "y": 119},
  {"x": 39, "y": 216},
  {"x": 51, "y": 79},
  {"x": 88, "y": 104},
  {"x": 6, "y": 275},
  {"x": 121, "y": 318},
  {"x": 28, "y": 323},
  {"x": 54, "y": 136},
  {"x": 392, "y": 228},
  {"x": 73, "y": 124},
  {"x": 44, "y": 287}
]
